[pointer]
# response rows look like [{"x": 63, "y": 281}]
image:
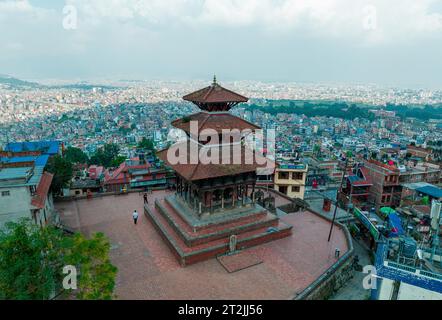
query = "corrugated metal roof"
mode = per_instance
[
  {"x": 39, "y": 160},
  {"x": 46, "y": 147},
  {"x": 20, "y": 173},
  {"x": 41, "y": 194},
  {"x": 432, "y": 191},
  {"x": 15, "y": 173}
]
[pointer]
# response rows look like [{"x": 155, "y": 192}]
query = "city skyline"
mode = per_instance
[{"x": 388, "y": 44}]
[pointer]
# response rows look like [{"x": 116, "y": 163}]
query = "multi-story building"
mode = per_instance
[
  {"x": 386, "y": 189},
  {"x": 24, "y": 193},
  {"x": 290, "y": 179},
  {"x": 419, "y": 152},
  {"x": 356, "y": 189},
  {"x": 24, "y": 186},
  {"x": 420, "y": 172}
]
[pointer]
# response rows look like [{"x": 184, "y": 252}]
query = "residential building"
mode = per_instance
[
  {"x": 420, "y": 172},
  {"x": 290, "y": 179},
  {"x": 386, "y": 189},
  {"x": 24, "y": 193},
  {"x": 356, "y": 189},
  {"x": 419, "y": 152},
  {"x": 135, "y": 173}
]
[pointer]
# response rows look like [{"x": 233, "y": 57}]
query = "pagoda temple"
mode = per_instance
[{"x": 214, "y": 209}]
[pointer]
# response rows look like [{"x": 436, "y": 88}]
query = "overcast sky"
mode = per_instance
[{"x": 388, "y": 42}]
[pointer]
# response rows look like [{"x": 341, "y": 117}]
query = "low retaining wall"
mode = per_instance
[
  {"x": 334, "y": 277},
  {"x": 104, "y": 194}
]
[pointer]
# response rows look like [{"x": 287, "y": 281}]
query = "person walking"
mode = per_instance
[
  {"x": 145, "y": 197},
  {"x": 135, "y": 216}
]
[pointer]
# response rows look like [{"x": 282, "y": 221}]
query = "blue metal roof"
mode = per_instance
[
  {"x": 395, "y": 222},
  {"x": 46, "y": 147},
  {"x": 432, "y": 191},
  {"x": 39, "y": 160}
]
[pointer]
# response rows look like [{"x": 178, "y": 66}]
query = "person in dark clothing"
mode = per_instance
[{"x": 145, "y": 198}]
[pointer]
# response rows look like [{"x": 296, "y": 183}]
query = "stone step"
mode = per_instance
[
  {"x": 188, "y": 255},
  {"x": 214, "y": 232},
  {"x": 197, "y": 224}
]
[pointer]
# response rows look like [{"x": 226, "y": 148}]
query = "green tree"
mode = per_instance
[
  {"x": 29, "y": 261},
  {"x": 106, "y": 155},
  {"x": 316, "y": 150},
  {"x": 75, "y": 155},
  {"x": 146, "y": 144},
  {"x": 32, "y": 261},
  {"x": 62, "y": 170},
  {"x": 117, "y": 161},
  {"x": 97, "y": 274}
]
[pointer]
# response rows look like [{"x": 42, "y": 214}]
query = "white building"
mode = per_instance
[{"x": 24, "y": 193}]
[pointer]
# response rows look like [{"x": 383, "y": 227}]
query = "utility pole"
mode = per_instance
[{"x": 336, "y": 203}]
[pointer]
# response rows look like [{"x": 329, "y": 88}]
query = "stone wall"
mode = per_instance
[
  {"x": 334, "y": 277},
  {"x": 327, "y": 287}
]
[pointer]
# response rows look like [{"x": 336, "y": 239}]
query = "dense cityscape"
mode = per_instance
[
  {"x": 329, "y": 153},
  {"x": 88, "y": 116},
  {"x": 233, "y": 157}
]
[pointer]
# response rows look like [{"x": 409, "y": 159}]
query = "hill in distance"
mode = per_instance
[{"x": 11, "y": 82}]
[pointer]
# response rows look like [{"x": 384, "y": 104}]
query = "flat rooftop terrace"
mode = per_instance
[{"x": 147, "y": 268}]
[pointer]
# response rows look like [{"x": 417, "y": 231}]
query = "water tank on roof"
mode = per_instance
[{"x": 407, "y": 247}]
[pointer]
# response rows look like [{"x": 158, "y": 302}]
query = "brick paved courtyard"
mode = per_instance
[{"x": 148, "y": 270}]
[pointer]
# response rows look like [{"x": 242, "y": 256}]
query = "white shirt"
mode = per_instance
[{"x": 135, "y": 215}]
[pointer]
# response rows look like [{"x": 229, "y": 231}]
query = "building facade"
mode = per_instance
[
  {"x": 290, "y": 179},
  {"x": 386, "y": 189},
  {"x": 24, "y": 193},
  {"x": 24, "y": 185}
]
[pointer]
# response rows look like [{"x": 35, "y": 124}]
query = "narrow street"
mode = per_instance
[{"x": 354, "y": 290}]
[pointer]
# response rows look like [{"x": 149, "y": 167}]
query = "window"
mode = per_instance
[
  {"x": 283, "y": 189},
  {"x": 296, "y": 188},
  {"x": 386, "y": 199},
  {"x": 6, "y": 193},
  {"x": 297, "y": 176},
  {"x": 283, "y": 175}
]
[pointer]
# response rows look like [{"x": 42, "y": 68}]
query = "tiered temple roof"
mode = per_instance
[
  {"x": 249, "y": 161},
  {"x": 216, "y": 121},
  {"x": 214, "y": 209},
  {"x": 215, "y": 98}
]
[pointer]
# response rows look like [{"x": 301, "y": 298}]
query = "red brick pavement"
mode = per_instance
[
  {"x": 148, "y": 270},
  {"x": 239, "y": 261}
]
